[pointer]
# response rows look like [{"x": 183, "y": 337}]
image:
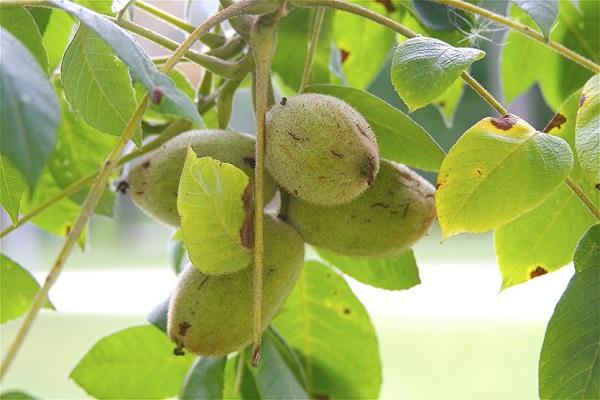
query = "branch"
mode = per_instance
[
  {"x": 312, "y": 47},
  {"x": 97, "y": 188},
  {"x": 404, "y": 31},
  {"x": 525, "y": 30}
]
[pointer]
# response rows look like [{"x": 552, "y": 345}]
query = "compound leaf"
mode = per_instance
[
  {"x": 424, "y": 68},
  {"x": 214, "y": 203},
  {"x": 135, "y": 363},
  {"x": 499, "y": 169}
]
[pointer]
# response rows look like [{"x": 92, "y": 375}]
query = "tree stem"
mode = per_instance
[
  {"x": 262, "y": 42},
  {"x": 582, "y": 196},
  {"x": 102, "y": 180},
  {"x": 312, "y": 46},
  {"x": 525, "y": 30},
  {"x": 404, "y": 31}
]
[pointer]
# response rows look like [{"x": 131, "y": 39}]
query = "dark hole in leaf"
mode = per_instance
[{"x": 538, "y": 271}]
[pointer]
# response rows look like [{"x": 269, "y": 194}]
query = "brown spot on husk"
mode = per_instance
[
  {"x": 504, "y": 123},
  {"x": 380, "y": 205},
  {"x": 538, "y": 271},
  {"x": 183, "y": 328},
  {"x": 250, "y": 161},
  {"x": 146, "y": 164},
  {"x": 336, "y": 154},
  {"x": 247, "y": 230},
  {"x": 556, "y": 122}
]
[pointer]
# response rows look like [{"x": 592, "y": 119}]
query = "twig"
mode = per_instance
[
  {"x": 582, "y": 196},
  {"x": 312, "y": 46}
]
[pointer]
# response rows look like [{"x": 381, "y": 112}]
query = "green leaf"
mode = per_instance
[
  {"x": 438, "y": 17},
  {"x": 158, "y": 316},
  {"x": 448, "y": 101},
  {"x": 56, "y": 37},
  {"x": 424, "y": 68},
  {"x": 274, "y": 378},
  {"x": 80, "y": 150},
  {"x": 18, "y": 21},
  {"x": 177, "y": 255},
  {"x": 12, "y": 187},
  {"x": 320, "y": 308},
  {"x": 288, "y": 61},
  {"x": 29, "y": 111},
  {"x": 19, "y": 288},
  {"x": 97, "y": 84},
  {"x": 391, "y": 273},
  {"x": 243, "y": 387},
  {"x": 16, "y": 396},
  {"x": 214, "y": 203},
  {"x": 544, "y": 239},
  {"x": 570, "y": 362},
  {"x": 400, "y": 138},
  {"x": 364, "y": 44},
  {"x": 587, "y": 130},
  {"x": 205, "y": 380},
  {"x": 499, "y": 169},
  {"x": 135, "y": 363},
  {"x": 543, "y": 12},
  {"x": 171, "y": 100}
]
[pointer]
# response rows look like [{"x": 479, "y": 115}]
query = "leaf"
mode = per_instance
[
  {"x": 364, "y": 45},
  {"x": 543, "y": 12},
  {"x": 171, "y": 100},
  {"x": 158, "y": 316},
  {"x": 274, "y": 378},
  {"x": 498, "y": 169},
  {"x": 205, "y": 379},
  {"x": 97, "y": 84},
  {"x": 214, "y": 203},
  {"x": 16, "y": 396},
  {"x": 19, "y": 288},
  {"x": 80, "y": 150},
  {"x": 288, "y": 61},
  {"x": 448, "y": 101},
  {"x": 544, "y": 239},
  {"x": 391, "y": 273},
  {"x": 438, "y": 17},
  {"x": 177, "y": 255},
  {"x": 18, "y": 21},
  {"x": 135, "y": 363},
  {"x": 423, "y": 68},
  {"x": 29, "y": 110},
  {"x": 242, "y": 387},
  {"x": 587, "y": 130},
  {"x": 570, "y": 358},
  {"x": 332, "y": 333},
  {"x": 56, "y": 37},
  {"x": 12, "y": 187},
  {"x": 400, "y": 138}
]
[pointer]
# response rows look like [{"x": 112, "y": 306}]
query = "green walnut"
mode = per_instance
[
  {"x": 154, "y": 182},
  {"x": 320, "y": 149},
  {"x": 385, "y": 220},
  {"x": 212, "y": 315}
]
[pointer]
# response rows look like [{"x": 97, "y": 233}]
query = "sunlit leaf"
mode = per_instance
[
  {"x": 543, "y": 12},
  {"x": 332, "y": 333},
  {"x": 569, "y": 362},
  {"x": 587, "y": 130},
  {"x": 56, "y": 37},
  {"x": 214, "y": 204},
  {"x": 400, "y": 138},
  {"x": 18, "y": 21},
  {"x": 12, "y": 187},
  {"x": 391, "y": 273},
  {"x": 19, "y": 288},
  {"x": 97, "y": 84},
  {"x": 205, "y": 380},
  {"x": 29, "y": 111},
  {"x": 424, "y": 68},
  {"x": 544, "y": 239},
  {"x": 499, "y": 169},
  {"x": 135, "y": 363}
]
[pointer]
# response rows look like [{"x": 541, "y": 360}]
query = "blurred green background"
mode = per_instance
[{"x": 453, "y": 336}]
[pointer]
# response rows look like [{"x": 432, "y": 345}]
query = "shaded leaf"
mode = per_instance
[
  {"x": 569, "y": 361},
  {"x": 29, "y": 110},
  {"x": 216, "y": 219},
  {"x": 499, "y": 169},
  {"x": 205, "y": 380},
  {"x": 332, "y": 333},
  {"x": 18, "y": 21},
  {"x": 587, "y": 130},
  {"x": 171, "y": 100},
  {"x": 135, "y": 363},
  {"x": 424, "y": 68},
  {"x": 448, "y": 101},
  {"x": 19, "y": 288},
  {"x": 12, "y": 187},
  {"x": 438, "y": 17},
  {"x": 391, "y": 273},
  {"x": 544, "y": 239},
  {"x": 97, "y": 84},
  {"x": 543, "y": 12},
  {"x": 16, "y": 396},
  {"x": 400, "y": 138},
  {"x": 239, "y": 380},
  {"x": 158, "y": 316}
]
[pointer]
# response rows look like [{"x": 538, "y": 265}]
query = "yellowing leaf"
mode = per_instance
[
  {"x": 214, "y": 202},
  {"x": 587, "y": 130},
  {"x": 499, "y": 169}
]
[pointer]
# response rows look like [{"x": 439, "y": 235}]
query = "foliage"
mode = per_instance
[{"x": 74, "y": 83}]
